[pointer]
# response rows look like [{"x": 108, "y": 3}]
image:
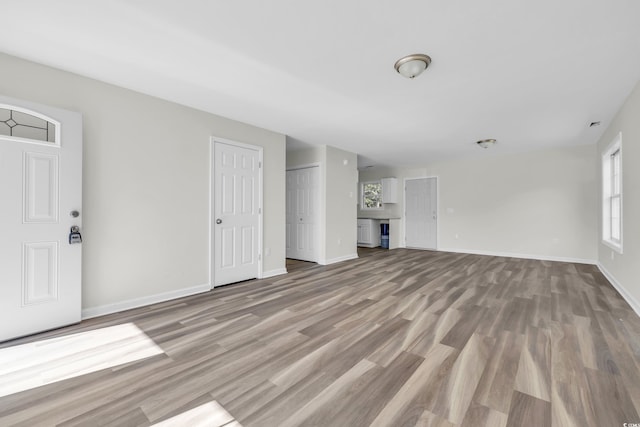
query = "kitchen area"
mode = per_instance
[{"x": 378, "y": 223}]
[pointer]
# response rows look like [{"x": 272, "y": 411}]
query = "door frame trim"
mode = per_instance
[
  {"x": 321, "y": 233},
  {"x": 404, "y": 210},
  {"x": 212, "y": 141}
]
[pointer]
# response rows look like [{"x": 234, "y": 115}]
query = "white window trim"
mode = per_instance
[
  {"x": 362, "y": 206},
  {"x": 616, "y": 145}
]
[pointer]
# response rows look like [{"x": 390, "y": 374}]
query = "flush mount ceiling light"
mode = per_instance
[
  {"x": 412, "y": 65},
  {"x": 486, "y": 143}
]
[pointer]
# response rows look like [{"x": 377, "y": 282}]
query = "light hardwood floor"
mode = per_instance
[{"x": 395, "y": 338}]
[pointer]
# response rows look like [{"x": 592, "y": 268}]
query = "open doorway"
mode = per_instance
[{"x": 303, "y": 214}]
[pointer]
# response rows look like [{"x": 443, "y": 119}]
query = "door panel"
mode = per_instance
[
  {"x": 40, "y": 282},
  {"x": 421, "y": 213},
  {"x": 40, "y": 188},
  {"x": 40, "y": 184},
  {"x": 228, "y": 187},
  {"x": 236, "y": 207},
  {"x": 248, "y": 245},
  {"x": 227, "y": 246},
  {"x": 302, "y": 214}
]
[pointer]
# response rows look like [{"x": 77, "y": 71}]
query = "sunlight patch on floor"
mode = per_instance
[
  {"x": 31, "y": 365},
  {"x": 208, "y": 415}
]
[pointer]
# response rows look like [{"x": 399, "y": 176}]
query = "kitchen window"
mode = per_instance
[{"x": 371, "y": 195}]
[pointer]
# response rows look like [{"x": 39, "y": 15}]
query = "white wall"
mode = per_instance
[
  {"x": 338, "y": 195},
  {"x": 624, "y": 269},
  {"x": 306, "y": 156},
  {"x": 146, "y": 192},
  {"x": 341, "y": 209},
  {"x": 539, "y": 204}
]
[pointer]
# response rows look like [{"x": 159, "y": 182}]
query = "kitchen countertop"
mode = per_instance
[{"x": 372, "y": 217}]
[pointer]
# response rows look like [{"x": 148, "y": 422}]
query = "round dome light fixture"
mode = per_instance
[
  {"x": 486, "y": 143},
  {"x": 411, "y": 66}
]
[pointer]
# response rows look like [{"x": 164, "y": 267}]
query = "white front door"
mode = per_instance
[
  {"x": 421, "y": 213},
  {"x": 303, "y": 191},
  {"x": 237, "y": 187},
  {"x": 41, "y": 194}
]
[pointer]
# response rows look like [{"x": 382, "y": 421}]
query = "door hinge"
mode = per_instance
[
  {"x": 259, "y": 257},
  {"x": 259, "y": 210},
  {"x": 259, "y": 165}
]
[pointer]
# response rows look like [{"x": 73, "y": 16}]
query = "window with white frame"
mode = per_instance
[
  {"x": 612, "y": 195},
  {"x": 371, "y": 195}
]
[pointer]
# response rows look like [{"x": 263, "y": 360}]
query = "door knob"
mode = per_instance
[{"x": 218, "y": 221}]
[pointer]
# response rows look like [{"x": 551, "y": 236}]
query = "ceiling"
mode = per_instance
[{"x": 532, "y": 74}]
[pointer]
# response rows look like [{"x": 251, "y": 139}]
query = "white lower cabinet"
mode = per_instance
[{"x": 369, "y": 233}]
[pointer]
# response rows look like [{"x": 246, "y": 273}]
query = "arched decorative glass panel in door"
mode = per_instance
[{"x": 24, "y": 124}]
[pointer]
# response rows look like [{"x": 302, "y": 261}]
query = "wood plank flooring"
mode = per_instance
[{"x": 395, "y": 338}]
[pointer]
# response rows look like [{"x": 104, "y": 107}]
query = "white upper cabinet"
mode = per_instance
[{"x": 389, "y": 190}]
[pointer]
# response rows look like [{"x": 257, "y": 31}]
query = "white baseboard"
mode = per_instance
[
  {"x": 276, "y": 272},
  {"x": 102, "y": 310},
  {"x": 524, "y": 256},
  {"x": 635, "y": 305},
  {"x": 338, "y": 259}
]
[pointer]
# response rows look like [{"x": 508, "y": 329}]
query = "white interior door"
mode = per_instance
[
  {"x": 41, "y": 193},
  {"x": 421, "y": 213},
  {"x": 236, "y": 215},
  {"x": 303, "y": 217}
]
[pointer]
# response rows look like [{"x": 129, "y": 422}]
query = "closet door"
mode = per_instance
[{"x": 421, "y": 213}]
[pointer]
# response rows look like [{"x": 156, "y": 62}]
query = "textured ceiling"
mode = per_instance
[{"x": 531, "y": 74}]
